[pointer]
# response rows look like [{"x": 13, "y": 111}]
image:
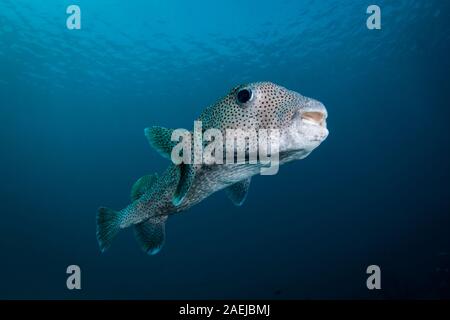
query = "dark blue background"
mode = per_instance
[{"x": 74, "y": 104}]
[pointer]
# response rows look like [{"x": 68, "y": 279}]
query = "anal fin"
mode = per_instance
[{"x": 151, "y": 234}]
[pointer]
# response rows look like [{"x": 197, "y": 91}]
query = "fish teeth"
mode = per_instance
[{"x": 308, "y": 121}]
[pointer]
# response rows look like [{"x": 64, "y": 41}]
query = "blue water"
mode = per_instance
[{"x": 74, "y": 104}]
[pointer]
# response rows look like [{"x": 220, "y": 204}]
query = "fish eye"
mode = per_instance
[{"x": 244, "y": 95}]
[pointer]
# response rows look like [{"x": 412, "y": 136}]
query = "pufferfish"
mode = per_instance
[{"x": 302, "y": 127}]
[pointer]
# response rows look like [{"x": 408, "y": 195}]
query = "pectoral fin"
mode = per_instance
[
  {"x": 186, "y": 178},
  {"x": 238, "y": 191},
  {"x": 151, "y": 234},
  {"x": 142, "y": 185}
]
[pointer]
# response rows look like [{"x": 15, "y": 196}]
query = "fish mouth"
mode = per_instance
[
  {"x": 306, "y": 132},
  {"x": 315, "y": 118},
  {"x": 313, "y": 124}
]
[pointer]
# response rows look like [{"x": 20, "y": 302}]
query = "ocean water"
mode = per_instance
[{"x": 74, "y": 104}]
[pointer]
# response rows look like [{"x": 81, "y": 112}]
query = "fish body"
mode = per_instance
[{"x": 301, "y": 126}]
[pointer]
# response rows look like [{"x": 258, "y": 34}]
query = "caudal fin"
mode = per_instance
[{"x": 108, "y": 225}]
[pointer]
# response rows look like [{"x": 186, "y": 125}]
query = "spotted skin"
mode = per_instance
[{"x": 270, "y": 107}]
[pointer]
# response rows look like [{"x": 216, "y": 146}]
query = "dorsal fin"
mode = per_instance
[
  {"x": 238, "y": 192},
  {"x": 160, "y": 139},
  {"x": 142, "y": 185}
]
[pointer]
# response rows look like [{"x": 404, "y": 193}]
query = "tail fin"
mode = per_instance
[{"x": 108, "y": 225}]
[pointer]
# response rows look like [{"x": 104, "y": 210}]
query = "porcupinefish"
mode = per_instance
[{"x": 300, "y": 121}]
